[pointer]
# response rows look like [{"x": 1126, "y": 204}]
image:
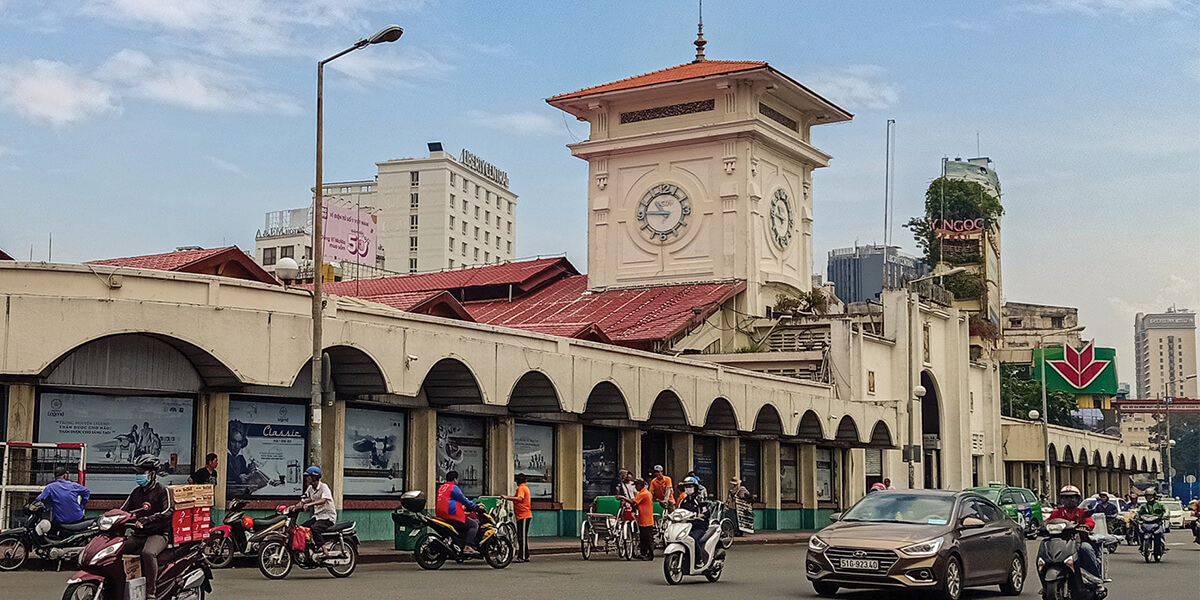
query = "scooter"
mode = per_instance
[
  {"x": 680, "y": 558},
  {"x": 183, "y": 574},
  {"x": 1151, "y": 540},
  {"x": 281, "y": 549},
  {"x": 239, "y": 533},
  {"x": 18, "y": 543},
  {"x": 442, "y": 542},
  {"x": 1056, "y": 568}
]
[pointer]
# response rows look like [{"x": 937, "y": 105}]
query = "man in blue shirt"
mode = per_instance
[{"x": 66, "y": 498}]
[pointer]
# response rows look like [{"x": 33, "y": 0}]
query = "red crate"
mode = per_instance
[
  {"x": 182, "y": 518},
  {"x": 181, "y": 535}
]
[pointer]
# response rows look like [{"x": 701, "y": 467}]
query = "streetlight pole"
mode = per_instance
[
  {"x": 390, "y": 33},
  {"x": 1046, "y": 408},
  {"x": 1167, "y": 401}
]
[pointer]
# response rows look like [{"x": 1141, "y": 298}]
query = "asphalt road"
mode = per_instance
[{"x": 751, "y": 572}]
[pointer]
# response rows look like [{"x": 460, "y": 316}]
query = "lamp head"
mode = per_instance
[
  {"x": 1034, "y": 415},
  {"x": 287, "y": 268},
  {"x": 919, "y": 391},
  {"x": 390, "y": 33}
]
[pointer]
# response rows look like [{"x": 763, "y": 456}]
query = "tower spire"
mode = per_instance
[{"x": 700, "y": 43}]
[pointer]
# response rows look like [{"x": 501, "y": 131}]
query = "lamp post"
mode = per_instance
[
  {"x": 1170, "y": 443},
  {"x": 913, "y": 452},
  {"x": 1045, "y": 408},
  {"x": 390, "y": 33}
]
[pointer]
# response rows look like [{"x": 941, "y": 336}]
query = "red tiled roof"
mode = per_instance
[
  {"x": 692, "y": 70},
  {"x": 438, "y": 303},
  {"x": 521, "y": 274},
  {"x": 590, "y": 331},
  {"x": 168, "y": 261},
  {"x": 229, "y": 261},
  {"x": 4, "y": 256}
]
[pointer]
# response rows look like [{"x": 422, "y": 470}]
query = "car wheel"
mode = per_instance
[
  {"x": 1016, "y": 577},
  {"x": 823, "y": 588},
  {"x": 952, "y": 580}
]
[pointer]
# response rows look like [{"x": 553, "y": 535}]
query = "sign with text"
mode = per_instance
[
  {"x": 266, "y": 449},
  {"x": 349, "y": 235}
]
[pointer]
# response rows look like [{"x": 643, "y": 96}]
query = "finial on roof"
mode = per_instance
[{"x": 700, "y": 43}]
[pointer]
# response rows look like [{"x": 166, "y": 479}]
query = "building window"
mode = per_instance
[
  {"x": 487, "y": 237},
  {"x": 464, "y": 207},
  {"x": 464, "y": 248},
  {"x": 345, "y": 189},
  {"x": 1056, "y": 322},
  {"x": 452, "y": 244},
  {"x": 451, "y": 199},
  {"x": 412, "y": 221},
  {"x": 704, "y": 460},
  {"x": 1014, "y": 323},
  {"x": 750, "y": 454},
  {"x": 412, "y": 243},
  {"x": 601, "y": 447},
  {"x": 487, "y": 216},
  {"x": 465, "y": 184},
  {"x": 415, "y": 176},
  {"x": 308, "y": 252},
  {"x": 475, "y": 257},
  {"x": 412, "y": 265},
  {"x": 477, "y": 190},
  {"x": 497, "y": 242},
  {"x": 287, "y": 252},
  {"x": 451, "y": 223},
  {"x": 453, "y": 180},
  {"x": 826, "y": 471},
  {"x": 476, "y": 233},
  {"x": 413, "y": 201},
  {"x": 510, "y": 207},
  {"x": 509, "y": 247},
  {"x": 789, "y": 473},
  {"x": 374, "y": 473},
  {"x": 476, "y": 212},
  {"x": 533, "y": 456},
  {"x": 364, "y": 188},
  {"x": 450, "y": 264},
  {"x": 268, "y": 256},
  {"x": 498, "y": 222},
  {"x": 487, "y": 257},
  {"x": 464, "y": 228}
]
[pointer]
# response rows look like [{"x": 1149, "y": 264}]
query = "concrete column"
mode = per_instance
[
  {"x": 769, "y": 470},
  {"x": 808, "y": 486},
  {"x": 855, "y": 480},
  {"x": 333, "y": 448},
  {"x": 422, "y": 454},
  {"x": 681, "y": 456},
  {"x": 212, "y": 435},
  {"x": 568, "y": 466},
  {"x": 500, "y": 456},
  {"x": 729, "y": 464},
  {"x": 631, "y": 451},
  {"x": 22, "y": 406}
]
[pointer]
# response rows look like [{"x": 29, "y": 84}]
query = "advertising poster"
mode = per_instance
[
  {"x": 824, "y": 475},
  {"x": 374, "y": 452},
  {"x": 788, "y": 474},
  {"x": 349, "y": 235},
  {"x": 599, "y": 461},
  {"x": 116, "y": 430},
  {"x": 266, "y": 449},
  {"x": 460, "y": 447},
  {"x": 704, "y": 462},
  {"x": 533, "y": 455},
  {"x": 751, "y": 456}
]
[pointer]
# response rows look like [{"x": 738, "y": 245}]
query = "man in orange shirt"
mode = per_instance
[
  {"x": 524, "y": 513},
  {"x": 645, "y": 518},
  {"x": 661, "y": 487}
]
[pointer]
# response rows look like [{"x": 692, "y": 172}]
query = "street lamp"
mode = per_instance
[
  {"x": 390, "y": 33},
  {"x": 1171, "y": 443},
  {"x": 1045, "y": 408}
]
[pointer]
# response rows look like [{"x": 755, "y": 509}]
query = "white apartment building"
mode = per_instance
[
  {"x": 438, "y": 213},
  {"x": 1165, "y": 347}
]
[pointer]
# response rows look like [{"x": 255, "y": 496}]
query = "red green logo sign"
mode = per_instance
[{"x": 1087, "y": 370}]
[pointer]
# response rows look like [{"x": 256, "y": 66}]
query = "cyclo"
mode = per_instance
[{"x": 610, "y": 526}]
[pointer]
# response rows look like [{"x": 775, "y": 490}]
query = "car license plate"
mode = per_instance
[{"x": 859, "y": 564}]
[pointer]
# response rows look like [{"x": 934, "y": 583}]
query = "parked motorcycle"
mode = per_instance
[
  {"x": 441, "y": 541},
  {"x": 1056, "y": 560},
  {"x": 681, "y": 557},
  {"x": 183, "y": 573},
  {"x": 1151, "y": 541},
  {"x": 18, "y": 543},
  {"x": 281, "y": 549},
  {"x": 239, "y": 533}
]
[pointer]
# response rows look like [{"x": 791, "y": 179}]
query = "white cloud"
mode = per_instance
[
  {"x": 855, "y": 88},
  {"x": 53, "y": 92},
  {"x": 1101, "y": 7},
  {"x": 391, "y": 65},
  {"x": 225, "y": 165},
  {"x": 189, "y": 85},
  {"x": 517, "y": 123}
]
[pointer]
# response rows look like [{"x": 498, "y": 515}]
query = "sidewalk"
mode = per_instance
[{"x": 377, "y": 552}]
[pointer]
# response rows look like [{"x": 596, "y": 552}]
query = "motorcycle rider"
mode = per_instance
[
  {"x": 153, "y": 527},
  {"x": 67, "y": 500},
  {"x": 692, "y": 501},
  {"x": 1068, "y": 509},
  {"x": 452, "y": 507},
  {"x": 319, "y": 498},
  {"x": 1153, "y": 507},
  {"x": 1104, "y": 507}
]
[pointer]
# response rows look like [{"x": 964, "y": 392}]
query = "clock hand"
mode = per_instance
[{"x": 659, "y": 213}]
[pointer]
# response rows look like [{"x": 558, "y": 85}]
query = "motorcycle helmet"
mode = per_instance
[
  {"x": 692, "y": 480},
  {"x": 1069, "y": 496},
  {"x": 1150, "y": 494},
  {"x": 147, "y": 463},
  {"x": 314, "y": 471}
]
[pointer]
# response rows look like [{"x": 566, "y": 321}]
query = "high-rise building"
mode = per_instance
[
  {"x": 983, "y": 242},
  {"x": 861, "y": 273},
  {"x": 438, "y": 213},
  {"x": 1165, "y": 346}
]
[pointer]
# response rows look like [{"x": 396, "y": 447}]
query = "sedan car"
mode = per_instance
[
  {"x": 1174, "y": 508},
  {"x": 935, "y": 540},
  {"x": 1020, "y": 504}
]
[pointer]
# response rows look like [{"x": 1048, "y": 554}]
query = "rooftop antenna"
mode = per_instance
[
  {"x": 978, "y": 152},
  {"x": 700, "y": 43}
]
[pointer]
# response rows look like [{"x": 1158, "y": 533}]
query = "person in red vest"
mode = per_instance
[{"x": 452, "y": 507}]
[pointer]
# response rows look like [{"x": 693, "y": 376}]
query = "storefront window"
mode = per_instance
[
  {"x": 704, "y": 461},
  {"x": 461, "y": 446},
  {"x": 533, "y": 455},
  {"x": 826, "y": 475},
  {"x": 751, "y": 459},
  {"x": 375, "y": 445},
  {"x": 873, "y": 466},
  {"x": 600, "y": 455},
  {"x": 118, "y": 429},
  {"x": 789, "y": 473},
  {"x": 266, "y": 449}
]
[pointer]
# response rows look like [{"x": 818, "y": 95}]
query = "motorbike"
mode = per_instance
[
  {"x": 1130, "y": 529},
  {"x": 1151, "y": 542},
  {"x": 18, "y": 543},
  {"x": 728, "y": 527},
  {"x": 183, "y": 573},
  {"x": 441, "y": 541},
  {"x": 239, "y": 533},
  {"x": 281, "y": 549},
  {"x": 681, "y": 557},
  {"x": 1056, "y": 560}
]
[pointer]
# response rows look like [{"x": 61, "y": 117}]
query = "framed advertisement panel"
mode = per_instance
[
  {"x": 462, "y": 447},
  {"x": 267, "y": 448},
  {"x": 374, "y": 455},
  {"x": 704, "y": 461},
  {"x": 601, "y": 452},
  {"x": 750, "y": 454},
  {"x": 118, "y": 429},
  {"x": 533, "y": 455}
]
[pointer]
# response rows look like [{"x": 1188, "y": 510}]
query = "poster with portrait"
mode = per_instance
[
  {"x": 533, "y": 455},
  {"x": 461, "y": 442},
  {"x": 266, "y": 449},
  {"x": 374, "y": 452},
  {"x": 789, "y": 488},
  {"x": 118, "y": 429},
  {"x": 600, "y": 448}
]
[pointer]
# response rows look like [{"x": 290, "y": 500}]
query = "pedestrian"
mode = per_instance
[
  {"x": 661, "y": 487},
  {"x": 524, "y": 515},
  {"x": 887, "y": 483},
  {"x": 206, "y": 475},
  {"x": 737, "y": 491},
  {"x": 644, "y": 502},
  {"x": 617, "y": 488}
]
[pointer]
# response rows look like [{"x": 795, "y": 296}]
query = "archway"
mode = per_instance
[
  {"x": 606, "y": 405},
  {"x": 768, "y": 423},
  {"x": 666, "y": 415},
  {"x": 534, "y": 394},
  {"x": 603, "y": 415},
  {"x": 931, "y": 431},
  {"x": 881, "y": 436},
  {"x": 847, "y": 432},
  {"x": 450, "y": 383},
  {"x": 810, "y": 429},
  {"x": 721, "y": 419}
]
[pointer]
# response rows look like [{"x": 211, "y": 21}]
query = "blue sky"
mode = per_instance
[{"x": 135, "y": 126}]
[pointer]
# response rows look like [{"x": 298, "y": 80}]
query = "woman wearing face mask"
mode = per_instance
[{"x": 154, "y": 523}]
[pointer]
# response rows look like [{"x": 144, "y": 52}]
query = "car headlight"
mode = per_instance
[
  {"x": 928, "y": 548},
  {"x": 817, "y": 544}
]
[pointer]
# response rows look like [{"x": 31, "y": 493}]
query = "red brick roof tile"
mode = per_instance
[
  {"x": 229, "y": 261},
  {"x": 167, "y": 261},
  {"x": 692, "y": 70},
  {"x": 438, "y": 303},
  {"x": 519, "y": 273}
]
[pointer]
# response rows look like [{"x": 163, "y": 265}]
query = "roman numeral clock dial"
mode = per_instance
[
  {"x": 663, "y": 211},
  {"x": 782, "y": 220}
]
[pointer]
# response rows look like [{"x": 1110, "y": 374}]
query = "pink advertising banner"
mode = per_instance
[{"x": 349, "y": 235}]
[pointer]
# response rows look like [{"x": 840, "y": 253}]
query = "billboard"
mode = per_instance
[
  {"x": 266, "y": 448},
  {"x": 1087, "y": 370},
  {"x": 374, "y": 452},
  {"x": 349, "y": 235}
]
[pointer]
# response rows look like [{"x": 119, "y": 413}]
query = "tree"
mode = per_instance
[
  {"x": 1185, "y": 456},
  {"x": 953, "y": 199},
  {"x": 1020, "y": 393}
]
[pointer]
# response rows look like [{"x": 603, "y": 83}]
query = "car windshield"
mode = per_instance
[
  {"x": 900, "y": 507},
  {"x": 992, "y": 494}
]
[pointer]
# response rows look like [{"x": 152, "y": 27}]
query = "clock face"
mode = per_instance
[
  {"x": 781, "y": 218},
  {"x": 663, "y": 211}
]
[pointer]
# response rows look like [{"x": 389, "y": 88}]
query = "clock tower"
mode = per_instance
[{"x": 701, "y": 172}]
